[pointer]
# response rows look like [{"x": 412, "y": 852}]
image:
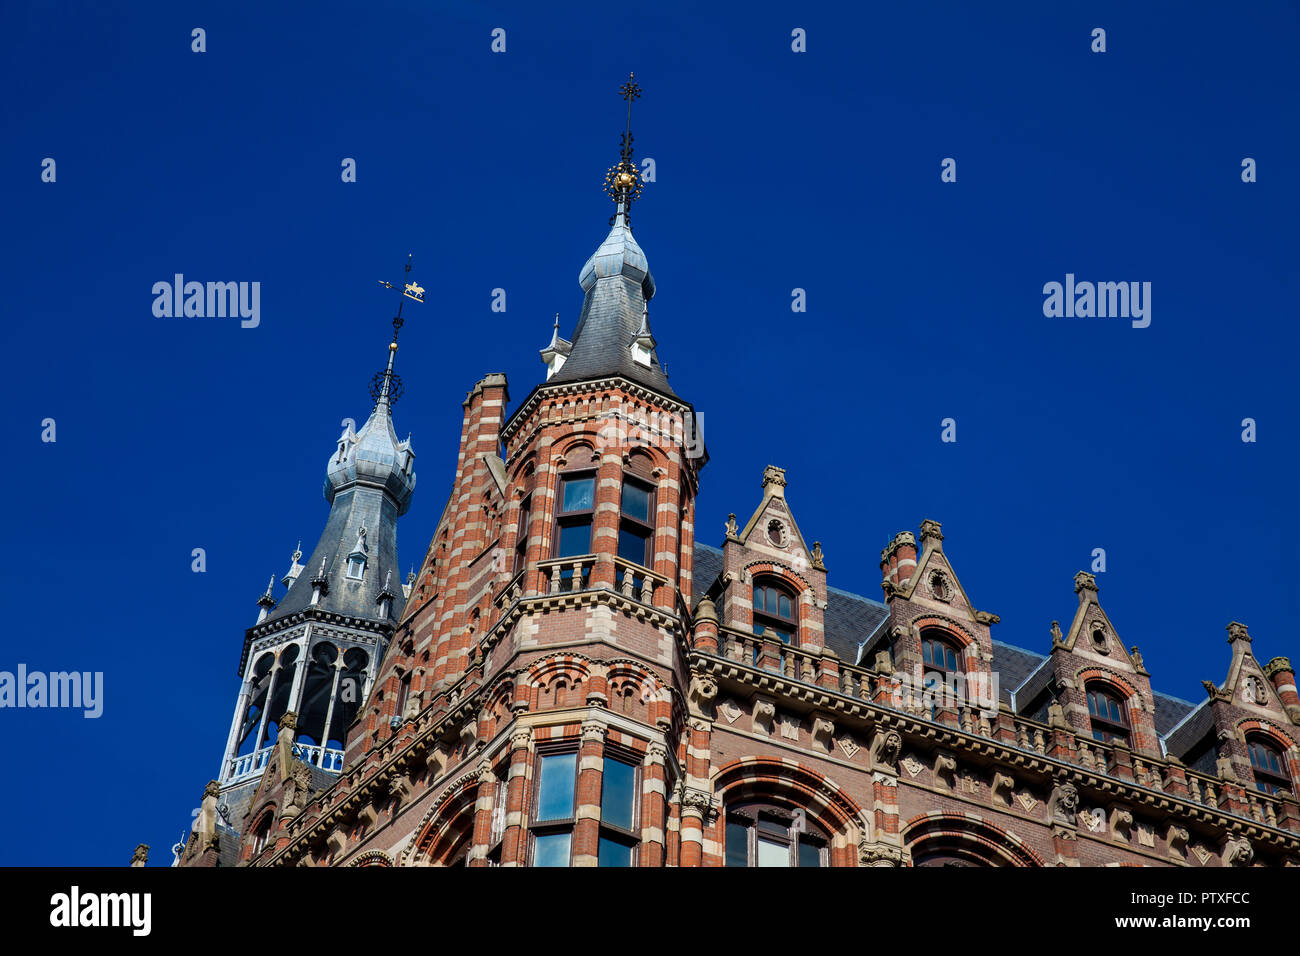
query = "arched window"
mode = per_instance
[
  {"x": 774, "y": 612},
  {"x": 1108, "y": 714},
  {"x": 940, "y": 654},
  {"x": 761, "y": 834},
  {"x": 262, "y": 832},
  {"x": 1269, "y": 764}
]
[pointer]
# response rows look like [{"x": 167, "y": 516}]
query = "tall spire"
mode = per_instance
[
  {"x": 622, "y": 182},
  {"x": 617, "y": 284}
]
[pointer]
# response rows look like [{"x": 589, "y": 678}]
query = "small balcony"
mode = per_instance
[{"x": 248, "y": 766}]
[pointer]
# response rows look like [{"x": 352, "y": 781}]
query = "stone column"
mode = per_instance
[
  {"x": 654, "y": 810},
  {"x": 484, "y": 804},
  {"x": 514, "y": 847},
  {"x": 586, "y": 814}
]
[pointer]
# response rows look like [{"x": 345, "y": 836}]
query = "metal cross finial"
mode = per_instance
[{"x": 622, "y": 182}]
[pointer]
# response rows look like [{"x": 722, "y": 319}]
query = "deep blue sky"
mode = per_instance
[{"x": 776, "y": 170}]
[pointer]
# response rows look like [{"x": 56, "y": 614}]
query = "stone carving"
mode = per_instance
[
  {"x": 945, "y": 768},
  {"x": 1146, "y": 835},
  {"x": 730, "y": 711},
  {"x": 885, "y": 749},
  {"x": 1121, "y": 822},
  {"x": 141, "y": 855},
  {"x": 1027, "y": 800},
  {"x": 297, "y": 789},
  {"x": 1063, "y": 804},
  {"x": 823, "y": 731},
  {"x": 1223, "y": 767},
  {"x": 703, "y": 690},
  {"x": 1056, "y": 715},
  {"x": 1202, "y": 854},
  {"x": 469, "y": 733},
  {"x": 1003, "y": 787},
  {"x": 1094, "y": 821},
  {"x": 790, "y": 728},
  {"x": 732, "y": 530},
  {"x": 848, "y": 746},
  {"x": 878, "y": 854},
  {"x": 818, "y": 558},
  {"x": 912, "y": 765},
  {"x": 1238, "y": 852},
  {"x": 1177, "y": 840},
  {"x": 764, "y": 714},
  {"x": 884, "y": 662}
]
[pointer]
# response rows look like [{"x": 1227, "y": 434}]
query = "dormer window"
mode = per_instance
[
  {"x": 1107, "y": 714},
  {"x": 1268, "y": 764},
  {"x": 640, "y": 354},
  {"x": 356, "y": 566}
]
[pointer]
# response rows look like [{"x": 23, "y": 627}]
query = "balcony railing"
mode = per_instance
[{"x": 247, "y": 766}]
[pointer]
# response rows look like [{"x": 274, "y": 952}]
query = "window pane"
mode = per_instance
[
  {"x": 737, "y": 843},
  {"x": 555, "y": 790},
  {"x": 758, "y": 598},
  {"x": 613, "y": 853},
  {"x": 632, "y": 546},
  {"x": 785, "y": 607},
  {"x": 636, "y": 502},
  {"x": 578, "y": 494},
  {"x": 552, "y": 849},
  {"x": 575, "y": 539},
  {"x": 772, "y": 854},
  {"x": 617, "y": 794},
  {"x": 810, "y": 854}
]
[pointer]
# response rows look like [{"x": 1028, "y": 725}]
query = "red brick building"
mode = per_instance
[{"x": 574, "y": 679}]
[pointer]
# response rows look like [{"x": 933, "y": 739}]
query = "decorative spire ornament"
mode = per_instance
[
  {"x": 623, "y": 182},
  {"x": 386, "y": 386}
]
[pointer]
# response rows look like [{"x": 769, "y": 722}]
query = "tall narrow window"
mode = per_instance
[
  {"x": 636, "y": 529},
  {"x": 774, "y": 609},
  {"x": 403, "y": 694},
  {"x": 618, "y": 813},
  {"x": 1107, "y": 714},
  {"x": 521, "y": 534},
  {"x": 553, "y": 809},
  {"x": 575, "y": 510},
  {"x": 1268, "y": 764}
]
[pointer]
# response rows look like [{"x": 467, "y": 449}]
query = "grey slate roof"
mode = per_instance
[
  {"x": 369, "y": 486},
  {"x": 851, "y": 619},
  {"x": 617, "y": 284}
]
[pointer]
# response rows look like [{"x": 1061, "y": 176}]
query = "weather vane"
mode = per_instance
[
  {"x": 622, "y": 182},
  {"x": 388, "y": 384}
]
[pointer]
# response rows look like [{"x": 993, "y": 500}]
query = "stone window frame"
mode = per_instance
[{"x": 1114, "y": 694}]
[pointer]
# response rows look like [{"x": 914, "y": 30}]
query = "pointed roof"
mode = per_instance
[{"x": 617, "y": 284}]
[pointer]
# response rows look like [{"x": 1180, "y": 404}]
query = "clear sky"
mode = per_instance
[{"x": 775, "y": 170}]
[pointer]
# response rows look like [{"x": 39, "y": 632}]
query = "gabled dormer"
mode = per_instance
[
  {"x": 1102, "y": 687},
  {"x": 773, "y": 584},
  {"x": 935, "y": 634}
]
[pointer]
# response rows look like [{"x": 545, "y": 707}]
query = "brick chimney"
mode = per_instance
[
  {"x": 1282, "y": 674},
  {"x": 898, "y": 560}
]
